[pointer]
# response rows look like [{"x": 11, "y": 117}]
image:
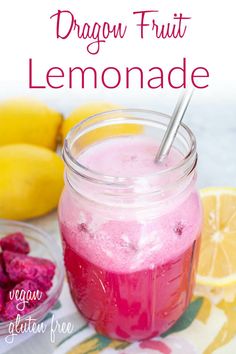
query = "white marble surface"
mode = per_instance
[{"x": 215, "y": 129}]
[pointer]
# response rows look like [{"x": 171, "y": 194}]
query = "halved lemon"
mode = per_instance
[{"x": 217, "y": 263}]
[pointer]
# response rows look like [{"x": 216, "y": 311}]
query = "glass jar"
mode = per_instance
[{"x": 131, "y": 242}]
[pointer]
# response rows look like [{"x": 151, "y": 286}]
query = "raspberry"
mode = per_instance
[
  {"x": 15, "y": 242},
  {"x": 15, "y": 306},
  {"x": 4, "y": 280},
  {"x": 1, "y": 299},
  {"x": 20, "y": 267},
  {"x": 24, "y": 280}
]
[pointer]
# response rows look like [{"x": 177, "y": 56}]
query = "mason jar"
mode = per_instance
[{"x": 130, "y": 227}]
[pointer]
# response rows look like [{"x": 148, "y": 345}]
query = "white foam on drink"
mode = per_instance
[
  {"x": 127, "y": 156},
  {"x": 127, "y": 241}
]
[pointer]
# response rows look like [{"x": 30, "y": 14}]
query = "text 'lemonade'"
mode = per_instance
[{"x": 130, "y": 263}]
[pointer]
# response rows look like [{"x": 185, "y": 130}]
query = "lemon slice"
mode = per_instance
[{"x": 217, "y": 264}]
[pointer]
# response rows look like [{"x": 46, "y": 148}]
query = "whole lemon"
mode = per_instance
[
  {"x": 31, "y": 181},
  {"x": 100, "y": 133},
  {"x": 29, "y": 121}
]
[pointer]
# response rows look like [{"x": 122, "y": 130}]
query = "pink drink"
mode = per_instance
[{"x": 131, "y": 269}]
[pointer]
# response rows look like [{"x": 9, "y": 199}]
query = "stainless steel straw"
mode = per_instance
[{"x": 173, "y": 126}]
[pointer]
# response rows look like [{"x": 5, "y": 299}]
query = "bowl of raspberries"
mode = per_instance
[{"x": 31, "y": 273}]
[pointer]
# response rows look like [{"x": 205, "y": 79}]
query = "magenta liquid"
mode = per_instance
[{"x": 130, "y": 270}]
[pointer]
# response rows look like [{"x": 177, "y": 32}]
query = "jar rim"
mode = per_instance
[{"x": 97, "y": 177}]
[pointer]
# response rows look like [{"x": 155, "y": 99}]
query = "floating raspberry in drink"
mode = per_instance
[
  {"x": 82, "y": 227},
  {"x": 179, "y": 228},
  {"x": 15, "y": 242}
]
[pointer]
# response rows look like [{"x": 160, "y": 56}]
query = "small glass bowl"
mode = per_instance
[{"x": 41, "y": 245}]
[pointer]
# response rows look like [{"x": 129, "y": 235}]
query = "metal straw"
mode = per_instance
[{"x": 173, "y": 126}]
